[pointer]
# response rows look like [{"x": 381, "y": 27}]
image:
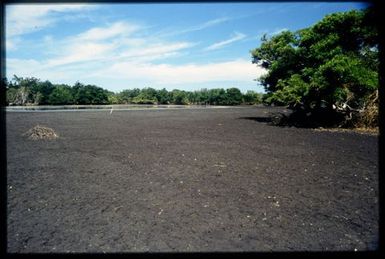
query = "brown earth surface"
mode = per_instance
[{"x": 187, "y": 180}]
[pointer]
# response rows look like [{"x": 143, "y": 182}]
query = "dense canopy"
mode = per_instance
[{"x": 332, "y": 65}]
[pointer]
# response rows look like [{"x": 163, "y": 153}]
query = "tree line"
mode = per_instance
[
  {"x": 328, "y": 70},
  {"x": 33, "y": 91}
]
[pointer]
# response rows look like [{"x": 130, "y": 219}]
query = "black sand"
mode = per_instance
[{"x": 187, "y": 180}]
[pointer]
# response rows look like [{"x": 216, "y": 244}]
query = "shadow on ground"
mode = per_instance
[
  {"x": 258, "y": 119},
  {"x": 300, "y": 119}
]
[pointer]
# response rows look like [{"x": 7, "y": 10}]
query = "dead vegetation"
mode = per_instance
[
  {"x": 41, "y": 132},
  {"x": 366, "y": 131},
  {"x": 365, "y": 121},
  {"x": 368, "y": 118},
  {"x": 340, "y": 119}
]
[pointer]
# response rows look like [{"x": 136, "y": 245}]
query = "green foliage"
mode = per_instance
[
  {"x": 12, "y": 95},
  {"x": 290, "y": 91},
  {"x": 163, "y": 96},
  {"x": 146, "y": 96},
  {"x": 233, "y": 96},
  {"x": 126, "y": 96},
  {"x": 22, "y": 91},
  {"x": 252, "y": 97},
  {"x": 179, "y": 97},
  {"x": 89, "y": 94},
  {"x": 112, "y": 98},
  {"x": 37, "y": 98},
  {"x": 62, "y": 94},
  {"x": 279, "y": 55},
  {"x": 202, "y": 96},
  {"x": 217, "y": 96},
  {"x": 333, "y": 63}
]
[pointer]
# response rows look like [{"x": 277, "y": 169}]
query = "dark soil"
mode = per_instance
[{"x": 187, "y": 180}]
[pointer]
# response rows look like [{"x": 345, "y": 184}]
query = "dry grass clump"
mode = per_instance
[
  {"x": 368, "y": 118},
  {"x": 365, "y": 131},
  {"x": 41, "y": 132},
  {"x": 365, "y": 121}
]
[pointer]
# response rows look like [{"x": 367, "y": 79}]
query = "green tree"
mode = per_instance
[
  {"x": 146, "y": 96},
  {"x": 233, "y": 96},
  {"x": 112, "y": 98},
  {"x": 89, "y": 94},
  {"x": 179, "y": 97},
  {"x": 126, "y": 96},
  {"x": 163, "y": 96},
  {"x": 252, "y": 97},
  {"x": 12, "y": 96},
  {"x": 329, "y": 66},
  {"x": 217, "y": 96},
  {"x": 62, "y": 94},
  {"x": 203, "y": 96},
  {"x": 25, "y": 88}
]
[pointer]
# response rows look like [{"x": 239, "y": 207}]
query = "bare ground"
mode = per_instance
[{"x": 187, "y": 180}]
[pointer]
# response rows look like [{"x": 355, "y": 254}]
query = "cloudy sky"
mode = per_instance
[{"x": 176, "y": 46}]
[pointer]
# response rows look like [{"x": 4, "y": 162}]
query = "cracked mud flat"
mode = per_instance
[{"x": 187, "y": 180}]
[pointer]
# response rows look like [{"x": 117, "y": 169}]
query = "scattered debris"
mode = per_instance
[
  {"x": 221, "y": 164},
  {"x": 40, "y": 132},
  {"x": 118, "y": 208}
]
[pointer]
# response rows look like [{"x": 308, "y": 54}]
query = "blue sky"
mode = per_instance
[{"x": 172, "y": 46}]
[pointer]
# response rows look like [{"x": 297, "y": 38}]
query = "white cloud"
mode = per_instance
[
  {"x": 21, "y": 66},
  {"x": 235, "y": 70},
  {"x": 205, "y": 25},
  {"x": 114, "y": 42},
  {"x": 10, "y": 44},
  {"x": 97, "y": 43},
  {"x": 154, "y": 51},
  {"x": 23, "y": 19},
  {"x": 120, "y": 29},
  {"x": 198, "y": 27},
  {"x": 84, "y": 52},
  {"x": 39, "y": 69},
  {"x": 237, "y": 37},
  {"x": 97, "y": 46}
]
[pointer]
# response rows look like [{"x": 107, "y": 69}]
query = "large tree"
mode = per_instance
[{"x": 331, "y": 65}]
